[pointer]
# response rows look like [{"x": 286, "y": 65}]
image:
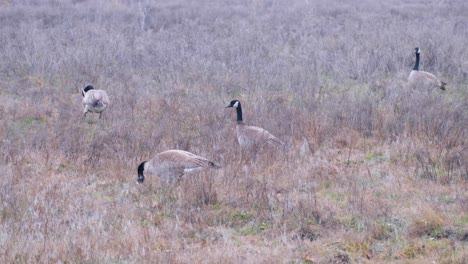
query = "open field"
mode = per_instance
[{"x": 375, "y": 172}]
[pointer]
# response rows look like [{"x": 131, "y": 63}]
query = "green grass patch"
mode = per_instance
[
  {"x": 254, "y": 228},
  {"x": 462, "y": 221},
  {"x": 243, "y": 216},
  {"x": 351, "y": 222},
  {"x": 379, "y": 156},
  {"x": 30, "y": 121},
  {"x": 336, "y": 196},
  {"x": 437, "y": 233},
  {"x": 217, "y": 206},
  {"x": 27, "y": 121}
]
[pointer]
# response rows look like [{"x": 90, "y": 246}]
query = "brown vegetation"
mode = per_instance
[{"x": 375, "y": 171}]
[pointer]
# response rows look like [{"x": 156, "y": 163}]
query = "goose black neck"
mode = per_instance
[
  {"x": 416, "y": 65},
  {"x": 141, "y": 168},
  {"x": 86, "y": 89},
  {"x": 239, "y": 113}
]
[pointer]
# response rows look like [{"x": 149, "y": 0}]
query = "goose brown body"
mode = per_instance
[
  {"x": 252, "y": 136},
  {"x": 173, "y": 164}
]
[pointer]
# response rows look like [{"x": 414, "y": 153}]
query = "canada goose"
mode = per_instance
[
  {"x": 421, "y": 76},
  {"x": 173, "y": 164},
  {"x": 95, "y": 101},
  {"x": 252, "y": 136}
]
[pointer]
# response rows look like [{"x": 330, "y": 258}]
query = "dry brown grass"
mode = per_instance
[{"x": 375, "y": 172}]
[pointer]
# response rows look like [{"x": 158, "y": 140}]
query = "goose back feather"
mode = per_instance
[{"x": 251, "y": 136}]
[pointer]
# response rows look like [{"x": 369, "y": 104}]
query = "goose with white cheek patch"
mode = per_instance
[
  {"x": 417, "y": 76},
  {"x": 173, "y": 164},
  {"x": 250, "y": 137}
]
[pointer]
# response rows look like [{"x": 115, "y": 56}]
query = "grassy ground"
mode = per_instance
[{"x": 376, "y": 171}]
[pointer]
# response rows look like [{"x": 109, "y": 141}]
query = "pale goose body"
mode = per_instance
[
  {"x": 95, "y": 101},
  {"x": 173, "y": 164},
  {"x": 421, "y": 77},
  {"x": 252, "y": 136}
]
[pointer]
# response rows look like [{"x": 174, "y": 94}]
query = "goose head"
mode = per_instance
[
  {"x": 234, "y": 104},
  {"x": 86, "y": 89},
  {"x": 141, "y": 168}
]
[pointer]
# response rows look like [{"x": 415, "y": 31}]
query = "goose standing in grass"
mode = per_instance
[
  {"x": 95, "y": 101},
  {"x": 417, "y": 76},
  {"x": 251, "y": 137},
  {"x": 173, "y": 164}
]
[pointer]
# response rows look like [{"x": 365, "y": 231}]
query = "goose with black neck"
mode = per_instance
[
  {"x": 421, "y": 77},
  {"x": 252, "y": 137}
]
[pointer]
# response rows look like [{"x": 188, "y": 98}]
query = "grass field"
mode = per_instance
[{"x": 376, "y": 171}]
